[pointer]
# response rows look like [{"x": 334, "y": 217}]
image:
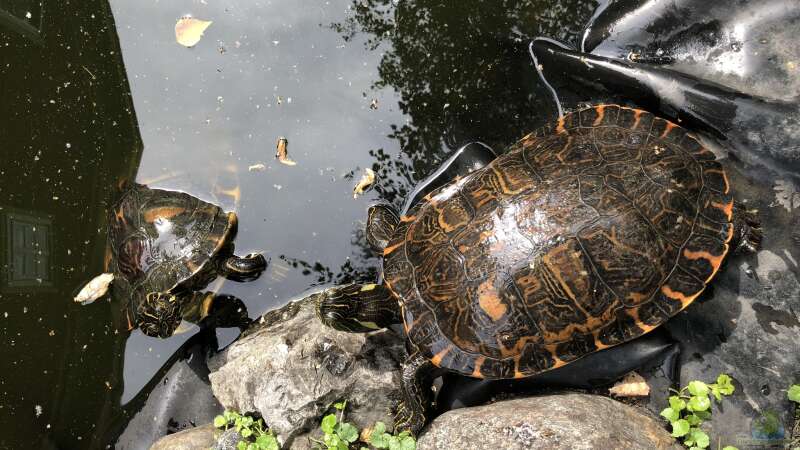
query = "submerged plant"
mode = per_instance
[
  {"x": 253, "y": 433},
  {"x": 691, "y": 406}
]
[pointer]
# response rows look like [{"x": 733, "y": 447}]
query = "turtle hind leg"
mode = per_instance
[
  {"x": 747, "y": 234},
  {"x": 382, "y": 222},
  {"x": 244, "y": 268},
  {"x": 358, "y": 308},
  {"x": 415, "y": 405}
]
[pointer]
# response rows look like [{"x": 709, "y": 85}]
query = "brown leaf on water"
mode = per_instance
[
  {"x": 282, "y": 152},
  {"x": 188, "y": 30},
  {"x": 364, "y": 183},
  {"x": 632, "y": 385}
]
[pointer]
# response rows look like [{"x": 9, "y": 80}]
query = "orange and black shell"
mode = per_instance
[
  {"x": 165, "y": 241},
  {"x": 582, "y": 236}
]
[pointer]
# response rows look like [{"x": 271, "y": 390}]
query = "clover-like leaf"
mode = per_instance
[
  {"x": 693, "y": 419},
  {"x": 677, "y": 403},
  {"x": 347, "y": 432},
  {"x": 670, "y": 414},
  {"x": 220, "y": 422},
  {"x": 725, "y": 384},
  {"x": 328, "y": 423},
  {"x": 246, "y": 432},
  {"x": 700, "y": 438},
  {"x": 241, "y": 445},
  {"x": 699, "y": 403},
  {"x": 698, "y": 388},
  {"x": 794, "y": 393},
  {"x": 267, "y": 442},
  {"x": 408, "y": 443},
  {"x": 680, "y": 428}
]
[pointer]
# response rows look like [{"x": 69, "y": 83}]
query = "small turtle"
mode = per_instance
[
  {"x": 163, "y": 245},
  {"x": 584, "y": 235}
]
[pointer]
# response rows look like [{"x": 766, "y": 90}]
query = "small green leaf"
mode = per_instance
[
  {"x": 347, "y": 432},
  {"x": 246, "y": 432},
  {"x": 220, "y": 422},
  {"x": 241, "y": 445},
  {"x": 677, "y": 403},
  {"x": 340, "y": 405},
  {"x": 680, "y": 428},
  {"x": 408, "y": 443},
  {"x": 252, "y": 447},
  {"x": 729, "y": 447},
  {"x": 328, "y": 423},
  {"x": 725, "y": 384},
  {"x": 698, "y": 388},
  {"x": 693, "y": 419},
  {"x": 794, "y": 393},
  {"x": 670, "y": 414},
  {"x": 703, "y": 415},
  {"x": 700, "y": 438},
  {"x": 699, "y": 403},
  {"x": 379, "y": 428}
]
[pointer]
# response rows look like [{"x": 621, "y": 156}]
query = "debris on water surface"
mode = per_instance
[
  {"x": 95, "y": 288},
  {"x": 373, "y": 104},
  {"x": 282, "y": 152},
  {"x": 632, "y": 385},
  {"x": 364, "y": 183},
  {"x": 189, "y": 31},
  {"x": 257, "y": 167}
]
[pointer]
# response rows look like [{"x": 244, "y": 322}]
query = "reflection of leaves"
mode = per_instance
[
  {"x": 462, "y": 71},
  {"x": 347, "y": 272}
]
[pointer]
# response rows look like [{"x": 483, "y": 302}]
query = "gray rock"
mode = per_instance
[
  {"x": 290, "y": 368},
  {"x": 552, "y": 422},
  {"x": 200, "y": 438},
  {"x": 227, "y": 440}
]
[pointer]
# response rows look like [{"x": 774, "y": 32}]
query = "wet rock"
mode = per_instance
[
  {"x": 192, "y": 439},
  {"x": 290, "y": 368},
  {"x": 566, "y": 421}
]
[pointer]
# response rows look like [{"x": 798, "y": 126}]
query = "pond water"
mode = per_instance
[{"x": 95, "y": 92}]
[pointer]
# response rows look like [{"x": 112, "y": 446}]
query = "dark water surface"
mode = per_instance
[{"x": 96, "y": 92}]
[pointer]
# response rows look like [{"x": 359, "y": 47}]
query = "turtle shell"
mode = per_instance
[
  {"x": 165, "y": 240},
  {"x": 582, "y": 236}
]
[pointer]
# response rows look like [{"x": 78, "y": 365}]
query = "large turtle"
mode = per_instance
[
  {"x": 584, "y": 235},
  {"x": 164, "y": 245}
]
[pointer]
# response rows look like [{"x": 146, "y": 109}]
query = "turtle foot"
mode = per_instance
[{"x": 245, "y": 268}]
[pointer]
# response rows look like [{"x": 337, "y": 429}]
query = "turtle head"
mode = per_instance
[
  {"x": 159, "y": 314},
  {"x": 354, "y": 308}
]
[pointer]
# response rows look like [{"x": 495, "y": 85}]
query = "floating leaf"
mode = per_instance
[
  {"x": 95, "y": 288},
  {"x": 632, "y": 385},
  {"x": 188, "y": 31},
  {"x": 282, "y": 152},
  {"x": 257, "y": 167},
  {"x": 364, "y": 183}
]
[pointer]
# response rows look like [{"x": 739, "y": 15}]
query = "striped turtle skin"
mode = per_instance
[{"x": 585, "y": 235}]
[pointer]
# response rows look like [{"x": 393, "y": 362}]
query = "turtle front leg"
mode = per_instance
[
  {"x": 245, "y": 268},
  {"x": 416, "y": 396},
  {"x": 382, "y": 220},
  {"x": 358, "y": 308}
]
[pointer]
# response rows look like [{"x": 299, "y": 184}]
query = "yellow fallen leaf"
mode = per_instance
[
  {"x": 632, "y": 385},
  {"x": 188, "y": 31},
  {"x": 282, "y": 152},
  {"x": 364, "y": 183}
]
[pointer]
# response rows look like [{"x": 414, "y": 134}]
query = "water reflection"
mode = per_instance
[{"x": 69, "y": 133}]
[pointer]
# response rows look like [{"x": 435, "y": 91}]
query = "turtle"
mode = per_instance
[
  {"x": 583, "y": 235},
  {"x": 164, "y": 245}
]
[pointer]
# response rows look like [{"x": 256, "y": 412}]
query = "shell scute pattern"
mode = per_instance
[{"x": 581, "y": 237}]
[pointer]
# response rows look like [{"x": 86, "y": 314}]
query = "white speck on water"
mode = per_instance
[
  {"x": 38, "y": 409},
  {"x": 28, "y": 15}
]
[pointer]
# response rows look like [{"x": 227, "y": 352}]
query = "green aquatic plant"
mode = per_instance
[
  {"x": 253, "y": 432},
  {"x": 691, "y": 406},
  {"x": 794, "y": 393},
  {"x": 340, "y": 435}
]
